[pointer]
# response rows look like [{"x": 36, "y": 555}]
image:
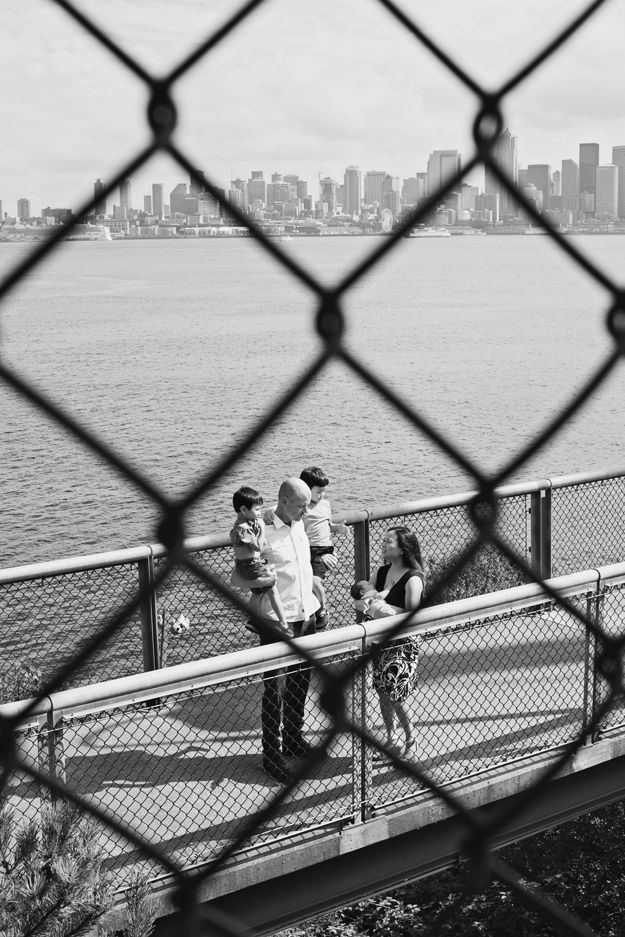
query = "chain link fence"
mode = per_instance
[{"x": 20, "y": 773}]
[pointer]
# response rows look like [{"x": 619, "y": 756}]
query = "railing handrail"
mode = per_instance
[
  {"x": 251, "y": 661},
  {"x": 127, "y": 555}
]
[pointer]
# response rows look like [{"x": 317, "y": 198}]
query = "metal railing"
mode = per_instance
[
  {"x": 175, "y": 756},
  {"x": 566, "y": 523},
  {"x": 329, "y": 321}
]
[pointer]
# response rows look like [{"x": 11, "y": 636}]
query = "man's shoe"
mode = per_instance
[
  {"x": 277, "y": 769},
  {"x": 299, "y": 748}
]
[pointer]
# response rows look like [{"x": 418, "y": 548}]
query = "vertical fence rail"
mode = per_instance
[{"x": 149, "y": 615}]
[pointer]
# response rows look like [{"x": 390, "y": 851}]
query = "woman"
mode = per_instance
[{"x": 400, "y": 581}]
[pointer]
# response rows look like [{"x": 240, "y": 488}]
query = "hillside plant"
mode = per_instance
[
  {"x": 487, "y": 571},
  {"x": 51, "y": 878}
]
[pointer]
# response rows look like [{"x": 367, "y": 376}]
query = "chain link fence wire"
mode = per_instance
[{"x": 487, "y": 125}]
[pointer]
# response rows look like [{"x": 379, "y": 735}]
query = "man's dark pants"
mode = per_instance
[{"x": 284, "y": 698}]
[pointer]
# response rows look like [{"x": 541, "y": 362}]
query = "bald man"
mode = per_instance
[{"x": 284, "y": 699}]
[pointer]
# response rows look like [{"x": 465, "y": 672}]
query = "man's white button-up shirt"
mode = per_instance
[{"x": 288, "y": 551}]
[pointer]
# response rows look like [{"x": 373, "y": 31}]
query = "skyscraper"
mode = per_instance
[
  {"x": 125, "y": 203},
  {"x": 256, "y": 188},
  {"x": 588, "y": 162},
  {"x": 23, "y": 209},
  {"x": 100, "y": 204},
  {"x": 570, "y": 184},
  {"x": 618, "y": 159},
  {"x": 374, "y": 182},
  {"x": 539, "y": 175},
  {"x": 442, "y": 164},
  {"x": 178, "y": 199},
  {"x": 391, "y": 198},
  {"x": 158, "y": 205},
  {"x": 506, "y": 156},
  {"x": 606, "y": 195},
  {"x": 353, "y": 186},
  {"x": 147, "y": 204}
]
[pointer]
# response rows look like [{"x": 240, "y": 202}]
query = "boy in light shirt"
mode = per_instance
[{"x": 319, "y": 530}]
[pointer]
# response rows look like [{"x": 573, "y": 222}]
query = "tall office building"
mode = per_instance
[
  {"x": 391, "y": 194},
  {"x": 442, "y": 164},
  {"x": 158, "y": 203},
  {"x": 100, "y": 202},
  {"x": 328, "y": 193},
  {"x": 125, "y": 203},
  {"x": 256, "y": 188},
  {"x": 588, "y": 162},
  {"x": 353, "y": 188},
  {"x": 178, "y": 199},
  {"x": 618, "y": 159},
  {"x": 23, "y": 209},
  {"x": 302, "y": 189},
  {"x": 374, "y": 183},
  {"x": 147, "y": 204},
  {"x": 506, "y": 156},
  {"x": 569, "y": 184},
  {"x": 606, "y": 195},
  {"x": 196, "y": 188},
  {"x": 539, "y": 175}
]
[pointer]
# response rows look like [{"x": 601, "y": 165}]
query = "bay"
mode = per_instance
[{"x": 172, "y": 351}]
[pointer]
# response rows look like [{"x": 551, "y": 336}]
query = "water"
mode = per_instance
[{"x": 171, "y": 351}]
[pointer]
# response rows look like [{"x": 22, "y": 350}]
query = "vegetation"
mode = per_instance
[
  {"x": 52, "y": 881},
  {"x": 580, "y": 864},
  {"x": 487, "y": 571}
]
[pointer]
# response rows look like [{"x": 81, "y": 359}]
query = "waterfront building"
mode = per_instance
[
  {"x": 588, "y": 162},
  {"x": 99, "y": 207},
  {"x": 618, "y": 159},
  {"x": 353, "y": 191},
  {"x": 125, "y": 202},
  {"x": 534, "y": 195},
  {"x": 487, "y": 207},
  {"x": 158, "y": 206},
  {"x": 23, "y": 209},
  {"x": 442, "y": 165},
  {"x": 328, "y": 193},
  {"x": 238, "y": 194},
  {"x": 410, "y": 193},
  {"x": 302, "y": 189},
  {"x": 147, "y": 204},
  {"x": 606, "y": 195},
  {"x": 391, "y": 195},
  {"x": 256, "y": 188},
  {"x": 569, "y": 185},
  {"x": 468, "y": 195},
  {"x": 539, "y": 175},
  {"x": 556, "y": 184},
  {"x": 177, "y": 199},
  {"x": 505, "y": 155},
  {"x": 373, "y": 185}
]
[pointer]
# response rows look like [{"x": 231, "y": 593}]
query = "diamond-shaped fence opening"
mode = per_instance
[{"x": 546, "y": 655}]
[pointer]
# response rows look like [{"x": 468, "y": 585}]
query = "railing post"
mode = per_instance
[
  {"x": 540, "y": 519},
  {"x": 362, "y": 756},
  {"x": 361, "y": 553},
  {"x": 149, "y": 614},
  {"x": 51, "y": 751}
]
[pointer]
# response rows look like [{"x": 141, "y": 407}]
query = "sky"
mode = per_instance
[{"x": 301, "y": 86}]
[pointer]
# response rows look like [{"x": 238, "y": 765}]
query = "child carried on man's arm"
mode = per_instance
[{"x": 248, "y": 539}]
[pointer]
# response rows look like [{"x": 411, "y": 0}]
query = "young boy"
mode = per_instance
[
  {"x": 319, "y": 530},
  {"x": 248, "y": 539}
]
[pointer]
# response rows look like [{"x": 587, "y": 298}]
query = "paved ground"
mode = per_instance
[{"x": 186, "y": 773}]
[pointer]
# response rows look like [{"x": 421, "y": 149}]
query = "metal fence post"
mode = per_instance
[
  {"x": 361, "y": 553},
  {"x": 149, "y": 615},
  {"x": 51, "y": 751},
  {"x": 590, "y": 656},
  {"x": 540, "y": 518}
]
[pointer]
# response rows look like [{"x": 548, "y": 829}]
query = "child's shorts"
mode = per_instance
[
  {"x": 255, "y": 568},
  {"x": 319, "y": 568}
]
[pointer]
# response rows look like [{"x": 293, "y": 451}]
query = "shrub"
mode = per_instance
[{"x": 487, "y": 571}]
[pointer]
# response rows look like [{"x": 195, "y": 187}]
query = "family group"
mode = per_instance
[{"x": 282, "y": 555}]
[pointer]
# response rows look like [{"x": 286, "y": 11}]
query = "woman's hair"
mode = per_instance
[
  {"x": 314, "y": 476},
  {"x": 246, "y": 497},
  {"x": 409, "y": 546}
]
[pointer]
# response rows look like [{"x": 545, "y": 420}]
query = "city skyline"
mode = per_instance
[
  {"x": 379, "y": 100},
  {"x": 439, "y": 165}
]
